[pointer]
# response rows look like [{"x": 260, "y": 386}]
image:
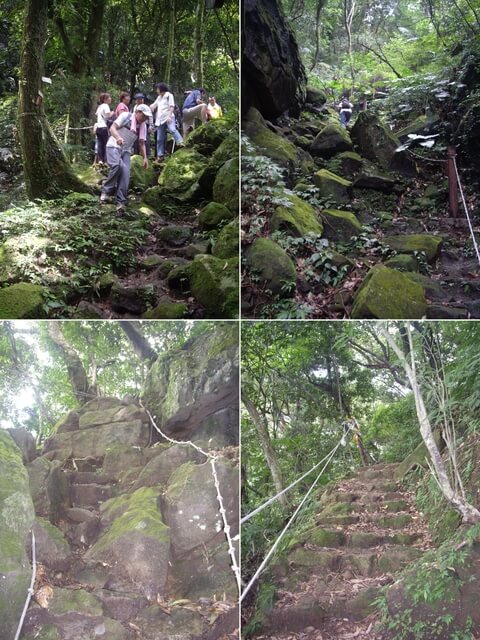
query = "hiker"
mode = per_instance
[
  {"x": 122, "y": 106},
  {"x": 103, "y": 113},
  {"x": 123, "y": 132},
  {"x": 165, "y": 121},
  {"x": 214, "y": 110},
  {"x": 140, "y": 99},
  {"x": 345, "y": 107},
  {"x": 193, "y": 107}
]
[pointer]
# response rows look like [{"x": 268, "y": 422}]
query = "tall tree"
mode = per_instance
[{"x": 47, "y": 171}]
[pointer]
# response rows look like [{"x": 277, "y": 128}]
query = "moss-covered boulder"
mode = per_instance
[
  {"x": 340, "y": 225},
  {"x": 316, "y": 96},
  {"x": 268, "y": 143},
  {"x": 297, "y": 219},
  {"x": 332, "y": 187},
  {"x": 180, "y": 177},
  {"x": 226, "y": 187},
  {"x": 141, "y": 178},
  {"x": 22, "y": 300},
  {"x": 52, "y": 548},
  {"x": 136, "y": 546},
  {"x": 16, "y": 518},
  {"x": 213, "y": 215},
  {"x": 403, "y": 262},
  {"x": 186, "y": 385},
  {"x": 331, "y": 139},
  {"x": 375, "y": 142},
  {"x": 227, "y": 150},
  {"x": 346, "y": 164},
  {"x": 167, "y": 311},
  {"x": 175, "y": 235},
  {"x": 226, "y": 244},
  {"x": 387, "y": 293},
  {"x": 214, "y": 283},
  {"x": 267, "y": 260},
  {"x": 179, "y": 623},
  {"x": 209, "y": 136},
  {"x": 410, "y": 244},
  {"x": 160, "y": 468},
  {"x": 191, "y": 508}
]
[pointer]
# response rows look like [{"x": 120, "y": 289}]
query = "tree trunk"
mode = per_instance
[
  {"x": 270, "y": 455},
  {"x": 82, "y": 390},
  {"x": 198, "y": 34},
  {"x": 47, "y": 171},
  {"x": 171, "y": 41},
  {"x": 468, "y": 512},
  {"x": 139, "y": 343}
]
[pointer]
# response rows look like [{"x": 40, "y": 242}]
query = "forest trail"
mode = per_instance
[{"x": 366, "y": 530}]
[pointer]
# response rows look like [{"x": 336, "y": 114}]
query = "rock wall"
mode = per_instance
[
  {"x": 273, "y": 76},
  {"x": 125, "y": 524}
]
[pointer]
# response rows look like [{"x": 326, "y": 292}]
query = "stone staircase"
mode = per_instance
[{"x": 366, "y": 530}]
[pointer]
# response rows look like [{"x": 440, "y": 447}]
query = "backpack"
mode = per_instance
[{"x": 345, "y": 104}]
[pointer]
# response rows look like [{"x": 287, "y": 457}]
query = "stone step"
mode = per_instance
[
  {"x": 351, "y": 508},
  {"x": 360, "y": 539},
  {"x": 79, "y": 515},
  {"x": 89, "y": 477},
  {"x": 83, "y": 495},
  {"x": 358, "y": 562},
  {"x": 337, "y": 520},
  {"x": 376, "y": 472},
  {"x": 393, "y": 521},
  {"x": 366, "y": 497}
]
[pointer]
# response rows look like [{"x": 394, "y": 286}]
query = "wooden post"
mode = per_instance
[{"x": 452, "y": 182}]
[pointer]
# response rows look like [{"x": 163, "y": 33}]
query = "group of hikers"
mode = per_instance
[{"x": 121, "y": 132}]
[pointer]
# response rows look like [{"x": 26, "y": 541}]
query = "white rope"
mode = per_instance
[
  {"x": 275, "y": 497},
  {"x": 30, "y": 590},
  {"x": 223, "y": 513},
  {"x": 277, "y": 541},
  {"x": 466, "y": 212}
]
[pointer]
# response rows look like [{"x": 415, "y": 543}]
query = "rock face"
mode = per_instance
[
  {"x": 16, "y": 519},
  {"x": 273, "y": 75},
  {"x": 141, "y": 520}
]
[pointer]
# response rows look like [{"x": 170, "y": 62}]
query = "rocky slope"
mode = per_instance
[{"x": 129, "y": 538}]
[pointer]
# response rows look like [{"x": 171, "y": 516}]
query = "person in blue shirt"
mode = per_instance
[{"x": 193, "y": 107}]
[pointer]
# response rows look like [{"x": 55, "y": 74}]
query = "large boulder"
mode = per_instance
[
  {"x": 205, "y": 573},
  {"x": 180, "y": 176},
  {"x": 52, "y": 549},
  {"x": 226, "y": 244},
  {"x": 226, "y": 186},
  {"x": 213, "y": 215},
  {"x": 159, "y": 469},
  {"x": 22, "y": 300},
  {"x": 416, "y": 243},
  {"x": 214, "y": 283},
  {"x": 227, "y": 150},
  {"x": 209, "y": 136},
  {"x": 332, "y": 139},
  {"x": 190, "y": 505},
  {"x": 136, "y": 546},
  {"x": 186, "y": 385},
  {"x": 272, "y": 265},
  {"x": 269, "y": 144},
  {"x": 16, "y": 519},
  {"x": 340, "y": 225},
  {"x": 25, "y": 442},
  {"x": 296, "y": 219},
  {"x": 387, "y": 293},
  {"x": 274, "y": 78},
  {"x": 141, "y": 178},
  {"x": 333, "y": 187}
]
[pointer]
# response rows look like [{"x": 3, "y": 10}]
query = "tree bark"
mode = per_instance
[
  {"x": 47, "y": 171},
  {"x": 468, "y": 512},
  {"x": 171, "y": 41},
  {"x": 82, "y": 389},
  {"x": 139, "y": 343},
  {"x": 266, "y": 443},
  {"x": 198, "y": 35}
]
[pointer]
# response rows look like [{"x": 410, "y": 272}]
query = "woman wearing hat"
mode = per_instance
[{"x": 126, "y": 129}]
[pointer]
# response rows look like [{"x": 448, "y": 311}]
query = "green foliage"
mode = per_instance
[{"x": 383, "y": 429}]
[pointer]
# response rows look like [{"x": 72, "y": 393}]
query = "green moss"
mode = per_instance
[
  {"x": 387, "y": 293},
  {"x": 227, "y": 150},
  {"x": 402, "y": 262},
  {"x": 167, "y": 311},
  {"x": 337, "y": 508},
  {"x": 22, "y": 300},
  {"x": 47, "y": 632},
  {"x": 340, "y": 225},
  {"x": 213, "y": 215},
  {"x": 179, "y": 482},
  {"x": 326, "y": 538},
  {"x": 269, "y": 144},
  {"x": 298, "y": 219},
  {"x": 332, "y": 186},
  {"x": 74, "y": 600},
  {"x": 331, "y": 139},
  {"x": 141, "y": 178},
  {"x": 207, "y": 137},
  {"x": 214, "y": 283},
  {"x": 226, "y": 185},
  {"x": 180, "y": 176},
  {"x": 410, "y": 244},
  {"x": 54, "y": 533},
  {"x": 274, "y": 268},
  {"x": 226, "y": 244}
]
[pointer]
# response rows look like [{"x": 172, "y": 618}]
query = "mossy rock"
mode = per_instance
[
  {"x": 207, "y": 137},
  {"x": 226, "y": 244},
  {"x": 213, "y": 215},
  {"x": 389, "y": 294},
  {"x": 226, "y": 187},
  {"x": 402, "y": 262},
  {"x": 214, "y": 283},
  {"x": 432, "y": 289},
  {"x": 340, "y": 225},
  {"x": 409, "y": 244},
  {"x": 268, "y": 143},
  {"x": 316, "y": 96},
  {"x": 22, "y": 300},
  {"x": 274, "y": 268},
  {"x": 141, "y": 178},
  {"x": 227, "y": 150},
  {"x": 179, "y": 278},
  {"x": 326, "y": 538},
  {"x": 175, "y": 235},
  {"x": 180, "y": 177},
  {"x": 17, "y": 253},
  {"x": 298, "y": 219},
  {"x": 347, "y": 163},
  {"x": 332, "y": 139},
  {"x": 332, "y": 187},
  {"x": 167, "y": 311}
]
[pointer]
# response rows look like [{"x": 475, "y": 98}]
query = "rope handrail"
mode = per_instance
[
  {"x": 30, "y": 590},
  {"x": 212, "y": 458},
  {"x": 470, "y": 226},
  {"x": 287, "y": 526},
  {"x": 290, "y": 486}
]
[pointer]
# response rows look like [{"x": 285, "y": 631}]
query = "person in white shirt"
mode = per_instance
[
  {"x": 123, "y": 133},
  {"x": 103, "y": 113},
  {"x": 164, "y": 106}
]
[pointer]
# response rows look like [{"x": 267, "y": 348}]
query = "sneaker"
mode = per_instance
[
  {"x": 120, "y": 209},
  {"x": 104, "y": 198}
]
